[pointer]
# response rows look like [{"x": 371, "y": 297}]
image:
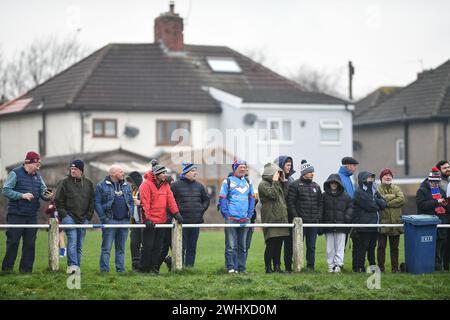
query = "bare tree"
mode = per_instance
[
  {"x": 317, "y": 81},
  {"x": 39, "y": 61}
]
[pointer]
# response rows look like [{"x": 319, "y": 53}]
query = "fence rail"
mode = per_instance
[{"x": 177, "y": 235}]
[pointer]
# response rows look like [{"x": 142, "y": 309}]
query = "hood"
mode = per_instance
[
  {"x": 362, "y": 177},
  {"x": 270, "y": 169},
  {"x": 333, "y": 178},
  {"x": 281, "y": 160},
  {"x": 425, "y": 184},
  {"x": 343, "y": 170}
]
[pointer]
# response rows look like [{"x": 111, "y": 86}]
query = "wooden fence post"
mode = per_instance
[
  {"x": 297, "y": 247},
  {"x": 53, "y": 245},
  {"x": 177, "y": 244}
]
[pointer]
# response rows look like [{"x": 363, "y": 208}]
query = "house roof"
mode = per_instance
[
  {"x": 426, "y": 98},
  {"x": 146, "y": 77},
  {"x": 374, "y": 98}
]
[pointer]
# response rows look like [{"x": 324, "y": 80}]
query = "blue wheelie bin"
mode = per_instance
[{"x": 420, "y": 243}]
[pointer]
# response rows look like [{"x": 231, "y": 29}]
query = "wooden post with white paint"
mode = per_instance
[
  {"x": 297, "y": 246},
  {"x": 177, "y": 246},
  {"x": 53, "y": 245}
]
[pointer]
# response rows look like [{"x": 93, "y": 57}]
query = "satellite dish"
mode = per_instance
[
  {"x": 250, "y": 118},
  {"x": 131, "y": 132}
]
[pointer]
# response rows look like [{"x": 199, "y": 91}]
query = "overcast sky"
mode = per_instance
[{"x": 388, "y": 41}]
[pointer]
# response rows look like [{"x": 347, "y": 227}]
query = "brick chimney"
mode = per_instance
[{"x": 169, "y": 29}]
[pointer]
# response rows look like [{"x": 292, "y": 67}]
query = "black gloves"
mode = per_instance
[
  {"x": 179, "y": 218},
  {"x": 149, "y": 224}
]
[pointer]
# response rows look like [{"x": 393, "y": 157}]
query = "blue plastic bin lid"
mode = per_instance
[{"x": 421, "y": 219}]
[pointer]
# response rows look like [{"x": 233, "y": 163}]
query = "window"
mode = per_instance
[
  {"x": 223, "y": 64},
  {"x": 400, "y": 151},
  {"x": 274, "y": 130},
  {"x": 330, "y": 131},
  {"x": 105, "y": 128},
  {"x": 165, "y": 128}
]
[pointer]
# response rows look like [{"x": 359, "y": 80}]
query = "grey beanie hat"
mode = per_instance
[
  {"x": 270, "y": 169},
  {"x": 305, "y": 168},
  {"x": 159, "y": 169}
]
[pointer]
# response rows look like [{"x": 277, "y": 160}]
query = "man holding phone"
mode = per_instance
[{"x": 23, "y": 188}]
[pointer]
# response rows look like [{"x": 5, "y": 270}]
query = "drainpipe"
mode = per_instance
[
  {"x": 82, "y": 130},
  {"x": 44, "y": 133},
  {"x": 406, "y": 138},
  {"x": 445, "y": 123}
]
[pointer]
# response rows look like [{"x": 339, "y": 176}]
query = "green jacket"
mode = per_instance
[
  {"x": 272, "y": 195},
  {"x": 75, "y": 197},
  {"x": 393, "y": 213}
]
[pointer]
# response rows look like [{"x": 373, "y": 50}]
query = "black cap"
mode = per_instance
[
  {"x": 136, "y": 177},
  {"x": 349, "y": 160},
  {"x": 77, "y": 164}
]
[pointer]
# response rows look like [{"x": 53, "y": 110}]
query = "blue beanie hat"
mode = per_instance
[
  {"x": 237, "y": 163},
  {"x": 186, "y": 167}
]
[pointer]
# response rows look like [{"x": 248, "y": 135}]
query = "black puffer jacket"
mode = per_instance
[
  {"x": 191, "y": 198},
  {"x": 304, "y": 200},
  {"x": 427, "y": 205},
  {"x": 367, "y": 204},
  {"x": 337, "y": 207}
]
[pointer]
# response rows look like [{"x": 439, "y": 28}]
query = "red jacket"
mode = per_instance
[{"x": 155, "y": 201}]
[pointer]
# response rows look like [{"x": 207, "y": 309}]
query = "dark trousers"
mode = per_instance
[
  {"x": 393, "y": 248},
  {"x": 190, "y": 238},
  {"x": 152, "y": 240},
  {"x": 310, "y": 235},
  {"x": 273, "y": 252},
  {"x": 249, "y": 238},
  {"x": 166, "y": 245},
  {"x": 135, "y": 247},
  {"x": 446, "y": 255},
  {"x": 287, "y": 241},
  {"x": 355, "y": 242},
  {"x": 441, "y": 248},
  {"x": 371, "y": 251},
  {"x": 12, "y": 244},
  {"x": 364, "y": 243}
]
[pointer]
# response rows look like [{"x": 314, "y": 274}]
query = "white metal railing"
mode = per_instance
[{"x": 177, "y": 235}]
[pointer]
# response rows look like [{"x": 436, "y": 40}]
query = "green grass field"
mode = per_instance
[{"x": 208, "y": 280}]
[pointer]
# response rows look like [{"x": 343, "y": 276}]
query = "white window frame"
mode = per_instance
[
  {"x": 280, "y": 121},
  {"x": 223, "y": 64},
  {"x": 398, "y": 161},
  {"x": 324, "y": 125}
]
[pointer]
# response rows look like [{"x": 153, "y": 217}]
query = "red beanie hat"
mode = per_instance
[
  {"x": 384, "y": 172},
  {"x": 32, "y": 157}
]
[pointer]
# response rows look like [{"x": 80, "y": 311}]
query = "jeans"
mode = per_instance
[
  {"x": 75, "y": 238},
  {"x": 12, "y": 244},
  {"x": 310, "y": 234},
  {"x": 190, "y": 238},
  {"x": 235, "y": 247},
  {"x": 119, "y": 237}
]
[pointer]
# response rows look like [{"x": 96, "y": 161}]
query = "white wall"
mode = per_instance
[
  {"x": 63, "y": 133},
  {"x": 145, "y": 142},
  {"x": 306, "y": 143},
  {"x": 18, "y": 135}
]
